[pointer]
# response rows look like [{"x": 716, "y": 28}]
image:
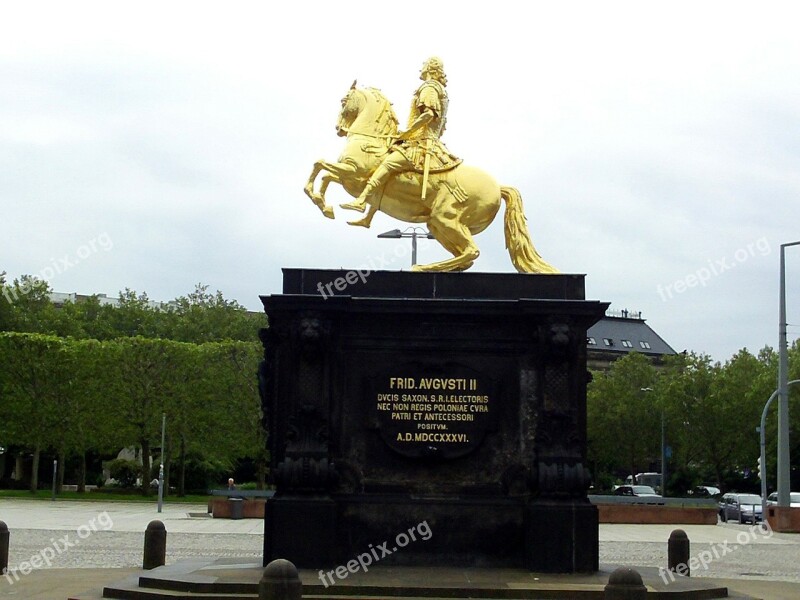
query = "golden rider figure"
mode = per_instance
[{"x": 417, "y": 149}]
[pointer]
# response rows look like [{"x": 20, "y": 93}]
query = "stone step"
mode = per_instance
[{"x": 210, "y": 579}]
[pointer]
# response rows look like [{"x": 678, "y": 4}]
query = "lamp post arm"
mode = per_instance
[{"x": 763, "y": 446}]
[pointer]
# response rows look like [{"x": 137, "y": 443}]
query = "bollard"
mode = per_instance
[
  {"x": 280, "y": 581},
  {"x": 155, "y": 545},
  {"x": 678, "y": 552},
  {"x": 625, "y": 584},
  {"x": 4, "y": 537}
]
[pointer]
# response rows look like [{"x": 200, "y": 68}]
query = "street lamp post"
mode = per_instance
[
  {"x": 784, "y": 477},
  {"x": 55, "y": 479},
  {"x": 161, "y": 465},
  {"x": 411, "y": 232},
  {"x": 663, "y": 455},
  {"x": 762, "y": 431}
]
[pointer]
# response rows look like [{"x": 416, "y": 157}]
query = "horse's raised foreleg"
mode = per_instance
[
  {"x": 336, "y": 171},
  {"x": 446, "y": 226},
  {"x": 316, "y": 198}
]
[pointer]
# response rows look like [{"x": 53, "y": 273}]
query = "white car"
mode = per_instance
[{"x": 794, "y": 499}]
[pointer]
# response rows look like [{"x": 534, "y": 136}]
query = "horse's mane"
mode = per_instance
[{"x": 386, "y": 120}]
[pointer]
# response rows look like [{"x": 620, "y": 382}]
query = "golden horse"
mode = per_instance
[{"x": 459, "y": 203}]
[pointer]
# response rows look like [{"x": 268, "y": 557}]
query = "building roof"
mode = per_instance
[
  {"x": 59, "y": 298},
  {"x": 626, "y": 332}
]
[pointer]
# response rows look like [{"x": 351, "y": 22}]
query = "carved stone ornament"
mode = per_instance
[{"x": 306, "y": 465}]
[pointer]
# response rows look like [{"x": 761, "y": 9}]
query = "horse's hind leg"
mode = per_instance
[{"x": 456, "y": 239}]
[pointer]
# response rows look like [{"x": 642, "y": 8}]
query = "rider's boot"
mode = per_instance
[
  {"x": 360, "y": 203},
  {"x": 367, "y": 220},
  {"x": 374, "y": 184}
]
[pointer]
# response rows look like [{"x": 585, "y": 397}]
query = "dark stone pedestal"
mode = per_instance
[
  {"x": 548, "y": 524},
  {"x": 285, "y": 517},
  {"x": 428, "y": 418}
]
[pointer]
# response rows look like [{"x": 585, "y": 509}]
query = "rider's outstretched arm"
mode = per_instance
[{"x": 426, "y": 117}]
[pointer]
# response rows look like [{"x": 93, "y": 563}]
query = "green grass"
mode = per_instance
[{"x": 101, "y": 496}]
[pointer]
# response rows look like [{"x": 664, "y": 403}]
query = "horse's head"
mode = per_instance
[
  {"x": 352, "y": 104},
  {"x": 372, "y": 111}
]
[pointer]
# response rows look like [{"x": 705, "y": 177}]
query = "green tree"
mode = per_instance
[
  {"x": 6, "y": 312},
  {"x": 143, "y": 371},
  {"x": 623, "y": 416},
  {"x": 738, "y": 395},
  {"x": 135, "y": 316},
  {"x": 205, "y": 317},
  {"x": 31, "y": 308},
  {"x": 89, "y": 420},
  {"x": 34, "y": 383},
  {"x": 214, "y": 414}
]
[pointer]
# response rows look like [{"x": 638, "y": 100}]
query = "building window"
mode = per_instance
[
  {"x": 608, "y": 341},
  {"x": 645, "y": 345},
  {"x": 627, "y": 343},
  {"x": 590, "y": 341}
]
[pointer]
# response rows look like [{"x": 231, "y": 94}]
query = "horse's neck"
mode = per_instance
[{"x": 375, "y": 119}]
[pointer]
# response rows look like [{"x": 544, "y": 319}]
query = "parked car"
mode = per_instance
[
  {"x": 705, "y": 491},
  {"x": 744, "y": 508},
  {"x": 794, "y": 499},
  {"x": 636, "y": 490}
]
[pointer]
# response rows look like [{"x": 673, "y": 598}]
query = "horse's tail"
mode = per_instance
[{"x": 518, "y": 241}]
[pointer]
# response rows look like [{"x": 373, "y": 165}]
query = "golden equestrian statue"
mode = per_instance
[{"x": 412, "y": 177}]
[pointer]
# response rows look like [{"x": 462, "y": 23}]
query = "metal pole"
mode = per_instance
[
  {"x": 784, "y": 479},
  {"x": 413, "y": 248},
  {"x": 762, "y": 430},
  {"x": 663, "y": 456},
  {"x": 55, "y": 473},
  {"x": 161, "y": 467}
]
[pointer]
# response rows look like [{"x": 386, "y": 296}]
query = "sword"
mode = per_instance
[{"x": 426, "y": 168}]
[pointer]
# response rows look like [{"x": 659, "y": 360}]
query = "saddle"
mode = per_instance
[{"x": 441, "y": 158}]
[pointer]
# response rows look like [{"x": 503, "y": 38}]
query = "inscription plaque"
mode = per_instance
[{"x": 424, "y": 412}]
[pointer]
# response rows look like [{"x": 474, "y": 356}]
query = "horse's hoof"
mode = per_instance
[{"x": 328, "y": 212}]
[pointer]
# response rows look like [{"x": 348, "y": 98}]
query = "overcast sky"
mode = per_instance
[{"x": 153, "y": 146}]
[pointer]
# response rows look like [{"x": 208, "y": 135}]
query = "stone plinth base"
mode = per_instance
[{"x": 231, "y": 578}]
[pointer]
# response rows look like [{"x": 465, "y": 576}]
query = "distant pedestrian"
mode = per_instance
[{"x": 231, "y": 484}]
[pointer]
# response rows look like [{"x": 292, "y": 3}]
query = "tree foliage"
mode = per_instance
[
  {"x": 92, "y": 377},
  {"x": 710, "y": 413}
]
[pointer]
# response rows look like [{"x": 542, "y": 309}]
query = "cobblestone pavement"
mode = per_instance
[
  {"x": 728, "y": 550},
  {"x": 124, "y": 549},
  {"x": 753, "y": 560}
]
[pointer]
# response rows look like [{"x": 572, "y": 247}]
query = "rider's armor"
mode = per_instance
[{"x": 430, "y": 95}]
